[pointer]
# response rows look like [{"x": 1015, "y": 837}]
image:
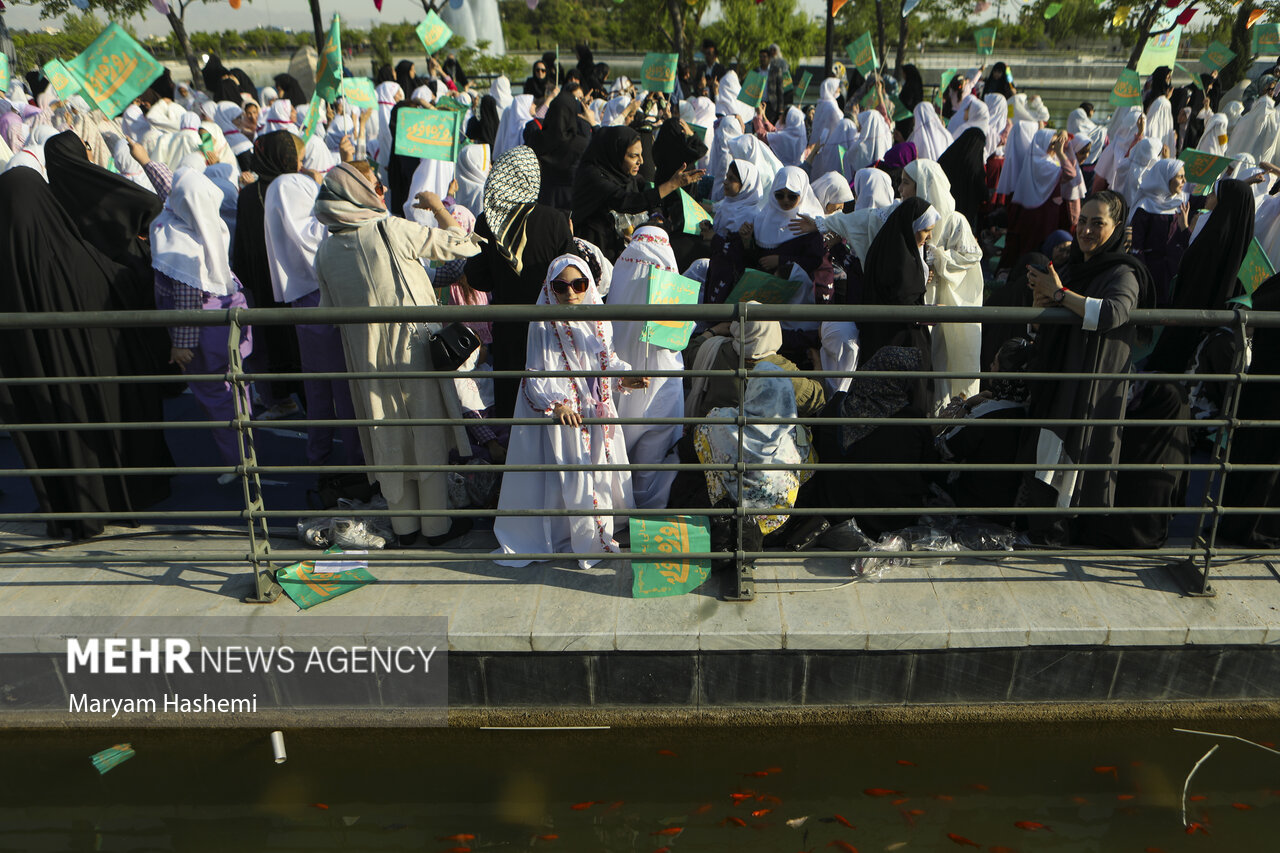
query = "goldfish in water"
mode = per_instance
[
  {"x": 757, "y": 774},
  {"x": 1195, "y": 798},
  {"x": 978, "y": 786},
  {"x": 733, "y": 821},
  {"x": 843, "y": 845},
  {"x": 881, "y": 792},
  {"x": 614, "y": 806},
  {"x": 797, "y": 822},
  {"x": 458, "y": 850},
  {"x": 841, "y": 820},
  {"x": 1030, "y": 825},
  {"x": 946, "y": 798},
  {"x": 1079, "y": 801},
  {"x": 578, "y": 807},
  {"x": 320, "y": 806},
  {"x": 760, "y": 812},
  {"x": 461, "y": 836},
  {"x": 906, "y": 763},
  {"x": 670, "y": 830},
  {"x": 1124, "y": 797},
  {"x": 548, "y": 837},
  {"x": 1244, "y": 807},
  {"x": 1107, "y": 768},
  {"x": 667, "y": 753},
  {"x": 741, "y": 797},
  {"x": 1195, "y": 827},
  {"x": 962, "y": 841},
  {"x": 771, "y": 800},
  {"x": 916, "y": 812},
  {"x": 702, "y": 809},
  {"x": 663, "y": 850},
  {"x": 773, "y": 770}
]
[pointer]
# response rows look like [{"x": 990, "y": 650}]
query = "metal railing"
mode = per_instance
[{"x": 1193, "y": 562}]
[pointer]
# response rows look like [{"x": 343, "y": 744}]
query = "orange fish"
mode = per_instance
[
  {"x": 1030, "y": 825},
  {"x": 702, "y": 809},
  {"x": 1114, "y": 771},
  {"x": 548, "y": 837},
  {"x": 771, "y": 800},
  {"x": 320, "y": 806},
  {"x": 881, "y": 792},
  {"x": 946, "y": 798},
  {"x": 1079, "y": 801},
  {"x": 668, "y": 753},
  {"x": 916, "y": 812},
  {"x": 906, "y": 763},
  {"x": 757, "y": 774},
  {"x": 1268, "y": 744},
  {"x": 579, "y": 807},
  {"x": 1195, "y": 798},
  {"x": 1153, "y": 850},
  {"x": 1244, "y": 807},
  {"x": 843, "y": 845},
  {"x": 670, "y": 830},
  {"x": 773, "y": 770},
  {"x": 898, "y": 802},
  {"x": 663, "y": 850},
  {"x": 458, "y": 850},
  {"x": 962, "y": 841},
  {"x": 840, "y": 819},
  {"x": 614, "y": 806},
  {"x": 760, "y": 812},
  {"x": 741, "y": 797},
  {"x": 1124, "y": 797},
  {"x": 735, "y": 821},
  {"x": 1197, "y": 827},
  {"x": 978, "y": 786},
  {"x": 461, "y": 836}
]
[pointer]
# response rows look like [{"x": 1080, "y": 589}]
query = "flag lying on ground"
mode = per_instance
[
  {"x": 111, "y": 758},
  {"x": 308, "y": 588},
  {"x": 669, "y": 535}
]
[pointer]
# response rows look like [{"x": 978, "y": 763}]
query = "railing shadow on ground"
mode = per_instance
[{"x": 1191, "y": 562}]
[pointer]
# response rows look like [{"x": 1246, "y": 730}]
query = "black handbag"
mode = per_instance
[{"x": 451, "y": 346}]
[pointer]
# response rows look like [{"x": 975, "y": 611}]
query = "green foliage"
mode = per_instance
[{"x": 745, "y": 27}]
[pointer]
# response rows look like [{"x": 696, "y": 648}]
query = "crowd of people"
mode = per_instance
[{"x": 575, "y": 191}]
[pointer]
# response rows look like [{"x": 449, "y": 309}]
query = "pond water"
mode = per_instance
[{"x": 1071, "y": 787}]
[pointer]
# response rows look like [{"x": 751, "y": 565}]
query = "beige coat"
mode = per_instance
[{"x": 354, "y": 269}]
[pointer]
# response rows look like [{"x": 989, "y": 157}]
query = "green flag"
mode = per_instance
[
  {"x": 1266, "y": 39},
  {"x": 449, "y": 102},
  {"x": 802, "y": 88},
  {"x": 359, "y": 92},
  {"x": 434, "y": 32},
  {"x": 1217, "y": 56},
  {"x": 308, "y": 588},
  {"x": 659, "y": 72},
  {"x": 862, "y": 53},
  {"x": 114, "y": 70},
  {"x": 694, "y": 213},
  {"x": 669, "y": 288},
  {"x": 4, "y": 71},
  {"x": 944, "y": 82},
  {"x": 985, "y": 40},
  {"x": 753, "y": 89},
  {"x": 1052, "y": 10},
  {"x": 763, "y": 288},
  {"x": 329, "y": 67},
  {"x": 313, "y": 114},
  {"x": 900, "y": 110},
  {"x": 1254, "y": 270},
  {"x": 434, "y": 134},
  {"x": 1202, "y": 168},
  {"x": 1128, "y": 89},
  {"x": 61, "y": 79},
  {"x": 677, "y": 534},
  {"x": 1195, "y": 78}
]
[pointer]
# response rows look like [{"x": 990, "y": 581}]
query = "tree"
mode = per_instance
[{"x": 745, "y": 28}]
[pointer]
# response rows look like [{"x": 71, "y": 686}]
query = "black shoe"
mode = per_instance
[
  {"x": 458, "y": 527},
  {"x": 406, "y": 540}
]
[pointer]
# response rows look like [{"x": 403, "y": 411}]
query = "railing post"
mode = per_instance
[
  {"x": 265, "y": 588},
  {"x": 744, "y": 587}
]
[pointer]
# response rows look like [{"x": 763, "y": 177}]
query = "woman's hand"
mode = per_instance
[
  {"x": 247, "y": 178},
  {"x": 1182, "y": 216},
  {"x": 747, "y": 231},
  {"x": 566, "y": 415},
  {"x": 139, "y": 153},
  {"x": 720, "y": 329},
  {"x": 346, "y": 149},
  {"x": 1043, "y": 285},
  {"x": 769, "y": 263},
  {"x": 634, "y": 383},
  {"x": 803, "y": 224},
  {"x": 427, "y": 200},
  {"x": 181, "y": 357},
  {"x": 497, "y": 452}
]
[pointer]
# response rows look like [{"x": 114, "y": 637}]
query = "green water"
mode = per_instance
[{"x": 392, "y": 790}]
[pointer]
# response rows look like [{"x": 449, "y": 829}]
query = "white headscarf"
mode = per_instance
[
  {"x": 1160, "y": 125},
  {"x": 748, "y": 147},
  {"x": 998, "y": 115},
  {"x": 727, "y": 129},
  {"x": 1032, "y": 109},
  {"x": 1257, "y": 133},
  {"x": 1234, "y": 110},
  {"x": 846, "y": 137},
  {"x": 874, "y": 140},
  {"x": 341, "y": 127},
  {"x": 293, "y": 236},
  {"x": 1153, "y": 189},
  {"x": 1041, "y": 173},
  {"x": 929, "y": 135},
  {"x": 1121, "y": 131},
  {"x": 225, "y": 117},
  {"x": 127, "y": 166},
  {"x": 1017, "y": 144},
  {"x": 831, "y": 188},
  {"x": 612, "y": 115},
  {"x": 472, "y": 170},
  {"x": 1129, "y": 175},
  {"x": 789, "y": 141},
  {"x": 1079, "y": 124},
  {"x": 973, "y": 113},
  {"x": 698, "y": 110},
  {"x": 189, "y": 241},
  {"x": 501, "y": 92},
  {"x": 771, "y": 226},
  {"x": 873, "y": 188},
  {"x": 727, "y": 102},
  {"x": 1214, "y": 139},
  {"x": 30, "y": 155},
  {"x": 736, "y": 211},
  {"x": 826, "y": 115},
  {"x": 511, "y": 125},
  {"x": 280, "y": 116}
]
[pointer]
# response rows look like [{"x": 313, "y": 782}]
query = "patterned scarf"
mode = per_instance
[
  {"x": 880, "y": 397},
  {"x": 510, "y": 192}
]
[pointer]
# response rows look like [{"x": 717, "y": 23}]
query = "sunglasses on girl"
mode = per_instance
[{"x": 579, "y": 285}]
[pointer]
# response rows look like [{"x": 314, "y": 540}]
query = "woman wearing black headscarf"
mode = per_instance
[
  {"x": 675, "y": 148},
  {"x": 400, "y": 168},
  {"x": 404, "y": 75},
  {"x": 1014, "y": 293},
  {"x": 559, "y": 144},
  {"x": 219, "y": 82},
  {"x": 483, "y": 127},
  {"x": 998, "y": 82},
  {"x": 288, "y": 87},
  {"x": 606, "y": 183},
  {"x": 45, "y": 266},
  {"x": 536, "y": 84},
  {"x": 1102, "y": 284},
  {"x": 1207, "y": 276},
  {"x": 384, "y": 75},
  {"x": 896, "y": 274},
  {"x": 274, "y": 154},
  {"x": 911, "y": 91},
  {"x": 963, "y": 162}
]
